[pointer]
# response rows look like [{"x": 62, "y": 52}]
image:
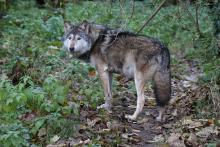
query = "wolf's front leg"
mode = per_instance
[{"x": 106, "y": 78}]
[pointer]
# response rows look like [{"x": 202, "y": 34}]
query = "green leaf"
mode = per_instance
[{"x": 37, "y": 125}]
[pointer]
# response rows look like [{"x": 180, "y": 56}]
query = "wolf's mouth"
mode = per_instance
[{"x": 75, "y": 54}]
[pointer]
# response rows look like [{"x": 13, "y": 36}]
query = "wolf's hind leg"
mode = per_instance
[
  {"x": 139, "y": 84},
  {"x": 162, "y": 90},
  {"x": 161, "y": 110}
]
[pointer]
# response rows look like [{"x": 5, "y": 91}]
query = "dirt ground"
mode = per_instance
[{"x": 180, "y": 128}]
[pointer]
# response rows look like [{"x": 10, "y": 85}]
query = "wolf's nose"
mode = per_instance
[{"x": 72, "y": 49}]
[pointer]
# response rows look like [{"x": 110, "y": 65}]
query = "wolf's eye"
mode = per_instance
[
  {"x": 79, "y": 38},
  {"x": 69, "y": 38}
]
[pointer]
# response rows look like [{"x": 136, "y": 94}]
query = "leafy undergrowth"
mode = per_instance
[{"x": 47, "y": 98}]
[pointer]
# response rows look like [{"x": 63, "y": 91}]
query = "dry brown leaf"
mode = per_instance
[
  {"x": 206, "y": 132},
  {"x": 55, "y": 145},
  {"x": 168, "y": 126},
  {"x": 84, "y": 113},
  {"x": 193, "y": 140},
  {"x": 42, "y": 132},
  {"x": 150, "y": 101},
  {"x": 136, "y": 131},
  {"x": 187, "y": 84},
  {"x": 192, "y": 78},
  {"x": 195, "y": 125},
  {"x": 55, "y": 139},
  {"x": 87, "y": 141},
  {"x": 124, "y": 135},
  {"x": 174, "y": 113},
  {"x": 116, "y": 126},
  {"x": 175, "y": 140},
  {"x": 103, "y": 131},
  {"x": 93, "y": 122},
  {"x": 192, "y": 123},
  {"x": 174, "y": 100},
  {"x": 143, "y": 120},
  {"x": 159, "y": 138},
  {"x": 29, "y": 116},
  {"x": 92, "y": 73},
  {"x": 132, "y": 106}
]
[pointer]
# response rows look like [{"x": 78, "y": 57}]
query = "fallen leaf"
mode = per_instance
[
  {"x": 217, "y": 122},
  {"x": 104, "y": 131},
  {"x": 192, "y": 78},
  {"x": 136, "y": 131},
  {"x": 175, "y": 141},
  {"x": 159, "y": 138},
  {"x": 55, "y": 139},
  {"x": 143, "y": 120},
  {"x": 53, "y": 47},
  {"x": 174, "y": 100},
  {"x": 116, "y": 126},
  {"x": 132, "y": 106},
  {"x": 195, "y": 125},
  {"x": 174, "y": 113},
  {"x": 147, "y": 113},
  {"x": 192, "y": 123},
  {"x": 2, "y": 61},
  {"x": 93, "y": 122},
  {"x": 193, "y": 140},
  {"x": 187, "y": 84},
  {"x": 87, "y": 141},
  {"x": 167, "y": 126},
  {"x": 28, "y": 116},
  {"x": 84, "y": 113},
  {"x": 150, "y": 101},
  {"x": 206, "y": 132},
  {"x": 124, "y": 135},
  {"x": 92, "y": 73},
  {"x": 42, "y": 132}
]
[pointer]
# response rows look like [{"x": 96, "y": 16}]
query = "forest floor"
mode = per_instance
[
  {"x": 181, "y": 126},
  {"x": 49, "y": 100}
]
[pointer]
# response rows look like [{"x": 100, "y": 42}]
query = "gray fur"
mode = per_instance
[{"x": 135, "y": 56}]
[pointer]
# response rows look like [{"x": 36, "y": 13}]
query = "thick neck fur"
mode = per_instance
[
  {"x": 101, "y": 39},
  {"x": 85, "y": 57}
]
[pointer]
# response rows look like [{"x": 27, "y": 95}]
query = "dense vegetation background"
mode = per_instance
[{"x": 48, "y": 98}]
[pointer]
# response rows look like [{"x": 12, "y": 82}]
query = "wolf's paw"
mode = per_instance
[
  {"x": 106, "y": 107},
  {"x": 130, "y": 117}
]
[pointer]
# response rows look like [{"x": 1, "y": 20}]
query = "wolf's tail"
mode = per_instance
[
  {"x": 162, "y": 87},
  {"x": 162, "y": 80}
]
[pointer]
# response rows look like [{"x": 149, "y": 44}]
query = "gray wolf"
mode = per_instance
[{"x": 113, "y": 51}]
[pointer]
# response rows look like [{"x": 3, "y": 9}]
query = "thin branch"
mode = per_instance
[
  {"x": 132, "y": 12},
  {"x": 123, "y": 11},
  {"x": 195, "y": 21},
  {"x": 152, "y": 16}
]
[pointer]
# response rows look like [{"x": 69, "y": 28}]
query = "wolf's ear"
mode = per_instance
[
  {"x": 97, "y": 29},
  {"x": 84, "y": 26},
  {"x": 67, "y": 26}
]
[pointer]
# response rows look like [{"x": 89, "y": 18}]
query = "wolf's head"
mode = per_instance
[{"x": 80, "y": 38}]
